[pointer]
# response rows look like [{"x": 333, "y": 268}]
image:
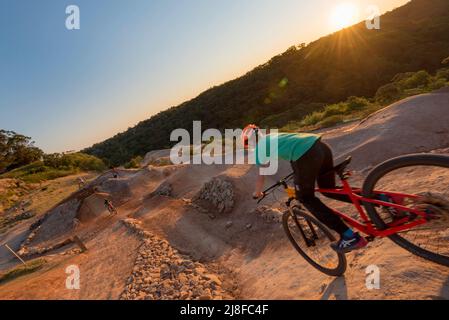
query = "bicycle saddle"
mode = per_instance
[{"x": 339, "y": 169}]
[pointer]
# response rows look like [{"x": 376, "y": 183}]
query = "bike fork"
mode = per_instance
[{"x": 309, "y": 242}]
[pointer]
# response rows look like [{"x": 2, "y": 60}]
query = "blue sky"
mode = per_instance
[{"x": 132, "y": 59}]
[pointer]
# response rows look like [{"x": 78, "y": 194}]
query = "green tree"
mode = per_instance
[{"x": 16, "y": 150}]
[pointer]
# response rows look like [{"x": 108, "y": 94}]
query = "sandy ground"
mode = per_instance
[
  {"x": 40, "y": 200},
  {"x": 101, "y": 276},
  {"x": 256, "y": 252}
]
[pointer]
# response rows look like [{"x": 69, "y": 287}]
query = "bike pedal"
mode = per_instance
[{"x": 370, "y": 238}]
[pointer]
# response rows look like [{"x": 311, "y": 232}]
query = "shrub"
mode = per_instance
[
  {"x": 56, "y": 166},
  {"x": 437, "y": 83},
  {"x": 443, "y": 74},
  {"x": 312, "y": 119},
  {"x": 21, "y": 270},
  {"x": 80, "y": 161},
  {"x": 357, "y": 103},
  {"x": 331, "y": 121},
  {"x": 292, "y": 126},
  {"x": 388, "y": 93},
  {"x": 84, "y": 162},
  {"x": 418, "y": 79},
  {"x": 134, "y": 163},
  {"x": 415, "y": 91},
  {"x": 335, "y": 109}
]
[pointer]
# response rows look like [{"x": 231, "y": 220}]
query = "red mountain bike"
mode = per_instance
[{"x": 405, "y": 199}]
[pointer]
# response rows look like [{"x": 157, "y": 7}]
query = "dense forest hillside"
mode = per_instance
[{"x": 352, "y": 62}]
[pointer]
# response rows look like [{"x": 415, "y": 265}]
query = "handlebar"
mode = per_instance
[{"x": 282, "y": 182}]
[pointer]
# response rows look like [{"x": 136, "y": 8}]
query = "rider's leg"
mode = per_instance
[
  {"x": 326, "y": 179},
  {"x": 306, "y": 170}
]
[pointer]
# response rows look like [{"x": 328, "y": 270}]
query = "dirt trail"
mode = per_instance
[{"x": 240, "y": 252}]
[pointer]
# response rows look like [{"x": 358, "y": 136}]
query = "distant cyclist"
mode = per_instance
[
  {"x": 312, "y": 161},
  {"x": 81, "y": 183},
  {"x": 114, "y": 173},
  {"x": 108, "y": 204}
]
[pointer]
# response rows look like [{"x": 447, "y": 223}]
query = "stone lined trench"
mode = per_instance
[{"x": 162, "y": 273}]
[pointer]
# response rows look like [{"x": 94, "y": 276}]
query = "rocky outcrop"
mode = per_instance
[
  {"x": 219, "y": 193},
  {"x": 16, "y": 217},
  {"x": 27, "y": 252},
  {"x": 165, "y": 189}
]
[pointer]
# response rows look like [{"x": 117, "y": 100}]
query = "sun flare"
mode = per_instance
[{"x": 344, "y": 15}]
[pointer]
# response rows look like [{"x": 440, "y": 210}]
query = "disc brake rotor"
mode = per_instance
[{"x": 436, "y": 205}]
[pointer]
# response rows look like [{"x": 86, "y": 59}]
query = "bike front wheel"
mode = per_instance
[{"x": 312, "y": 241}]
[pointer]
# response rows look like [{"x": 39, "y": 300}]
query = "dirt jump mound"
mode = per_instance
[
  {"x": 92, "y": 207},
  {"x": 118, "y": 189}
]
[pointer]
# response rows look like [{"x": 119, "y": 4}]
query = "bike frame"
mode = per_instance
[{"x": 365, "y": 225}]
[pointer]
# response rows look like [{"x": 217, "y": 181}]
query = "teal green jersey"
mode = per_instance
[{"x": 291, "y": 146}]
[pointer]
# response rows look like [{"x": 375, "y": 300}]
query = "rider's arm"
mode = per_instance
[{"x": 260, "y": 182}]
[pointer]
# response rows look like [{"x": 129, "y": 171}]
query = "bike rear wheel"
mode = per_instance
[
  {"x": 312, "y": 241},
  {"x": 425, "y": 176}
]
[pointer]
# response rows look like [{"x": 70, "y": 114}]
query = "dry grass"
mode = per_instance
[
  {"x": 42, "y": 197},
  {"x": 22, "y": 270}
]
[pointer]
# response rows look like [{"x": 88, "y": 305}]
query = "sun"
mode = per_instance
[{"x": 344, "y": 15}]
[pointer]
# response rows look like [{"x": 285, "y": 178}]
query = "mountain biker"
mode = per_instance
[
  {"x": 81, "y": 183},
  {"x": 114, "y": 172},
  {"x": 108, "y": 205},
  {"x": 312, "y": 161}
]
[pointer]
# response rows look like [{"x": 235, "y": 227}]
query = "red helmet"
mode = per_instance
[{"x": 248, "y": 132}]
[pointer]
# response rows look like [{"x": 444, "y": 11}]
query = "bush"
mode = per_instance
[
  {"x": 134, "y": 163},
  {"x": 56, "y": 166},
  {"x": 443, "y": 74},
  {"x": 388, "y": 93},
  {"x": 335, "y": 109},
  {"x": 21, "y": 270},
  {"x": 357, "y": 103},
  {"x": 331, "y": 121},
  {"x": 85, "y": 162},
  {"x": 415, "y": 91},
  {"x": 292, "y": 126},
  {"x": 38, "y": 172},
  {"x": 312, "y": 119},
  {"x": 437, "y": 83},
  {"x": 80, "y": 161},
  {"x": 418, "y": 79}
]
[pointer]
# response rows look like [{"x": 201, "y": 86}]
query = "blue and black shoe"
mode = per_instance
[{"x": 348, "y": 244}]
